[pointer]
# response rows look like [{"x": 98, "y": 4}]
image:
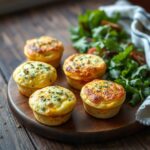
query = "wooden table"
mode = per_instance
[{"x": 15, "y": 29}]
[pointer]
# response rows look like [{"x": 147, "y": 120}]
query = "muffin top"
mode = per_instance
[
  {"x": 34, "y": 74},
  {"x": 43, "y": 47},
  {"x": 103, "y": 94},
  {"x": 84, "y": 66},
  {"x": 52, "y": 101}
]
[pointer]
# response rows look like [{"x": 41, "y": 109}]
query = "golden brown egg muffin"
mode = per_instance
[
  {"x": 33, "y": 75},
  {"x": 52, "y": 105},
  {"x": 102, "y": 98},
  {"x": 45, "y": 49},
  {"x": 82, "y": 68}
]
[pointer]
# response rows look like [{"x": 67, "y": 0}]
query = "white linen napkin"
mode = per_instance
[{"x": 137, "y": 22}]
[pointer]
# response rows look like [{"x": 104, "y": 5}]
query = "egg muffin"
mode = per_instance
[
  {"x": 82, "y": 68},
  {"x": 52, "y": 105},
  {"x": 45, "y": 49},
  {"x": 33, "y": 75},
  {"x": 102, "y": 98}
]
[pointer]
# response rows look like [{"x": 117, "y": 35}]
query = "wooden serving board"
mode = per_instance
[{"x": 81, "y": 128}]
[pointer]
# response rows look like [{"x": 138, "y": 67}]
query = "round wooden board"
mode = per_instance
[{"x": 81, "y": 128}]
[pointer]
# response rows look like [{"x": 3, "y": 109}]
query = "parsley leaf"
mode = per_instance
[{"x": 82, "y": 45}]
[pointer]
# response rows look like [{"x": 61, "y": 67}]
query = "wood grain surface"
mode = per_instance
[{"x": 51, "y": 20}]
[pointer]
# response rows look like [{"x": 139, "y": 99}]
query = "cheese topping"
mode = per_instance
[
  {"x": 51, "y": 98},
  {"x": 85, "y": 67},
  {"x": 42, "y": 44},
  {"x": 34, "y": 74},
  {"x": 102, "y": 93},
  {"x": 84, "y": 61}
]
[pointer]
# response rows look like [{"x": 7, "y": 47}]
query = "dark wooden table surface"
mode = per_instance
[{"x": 15, "y": 29}]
